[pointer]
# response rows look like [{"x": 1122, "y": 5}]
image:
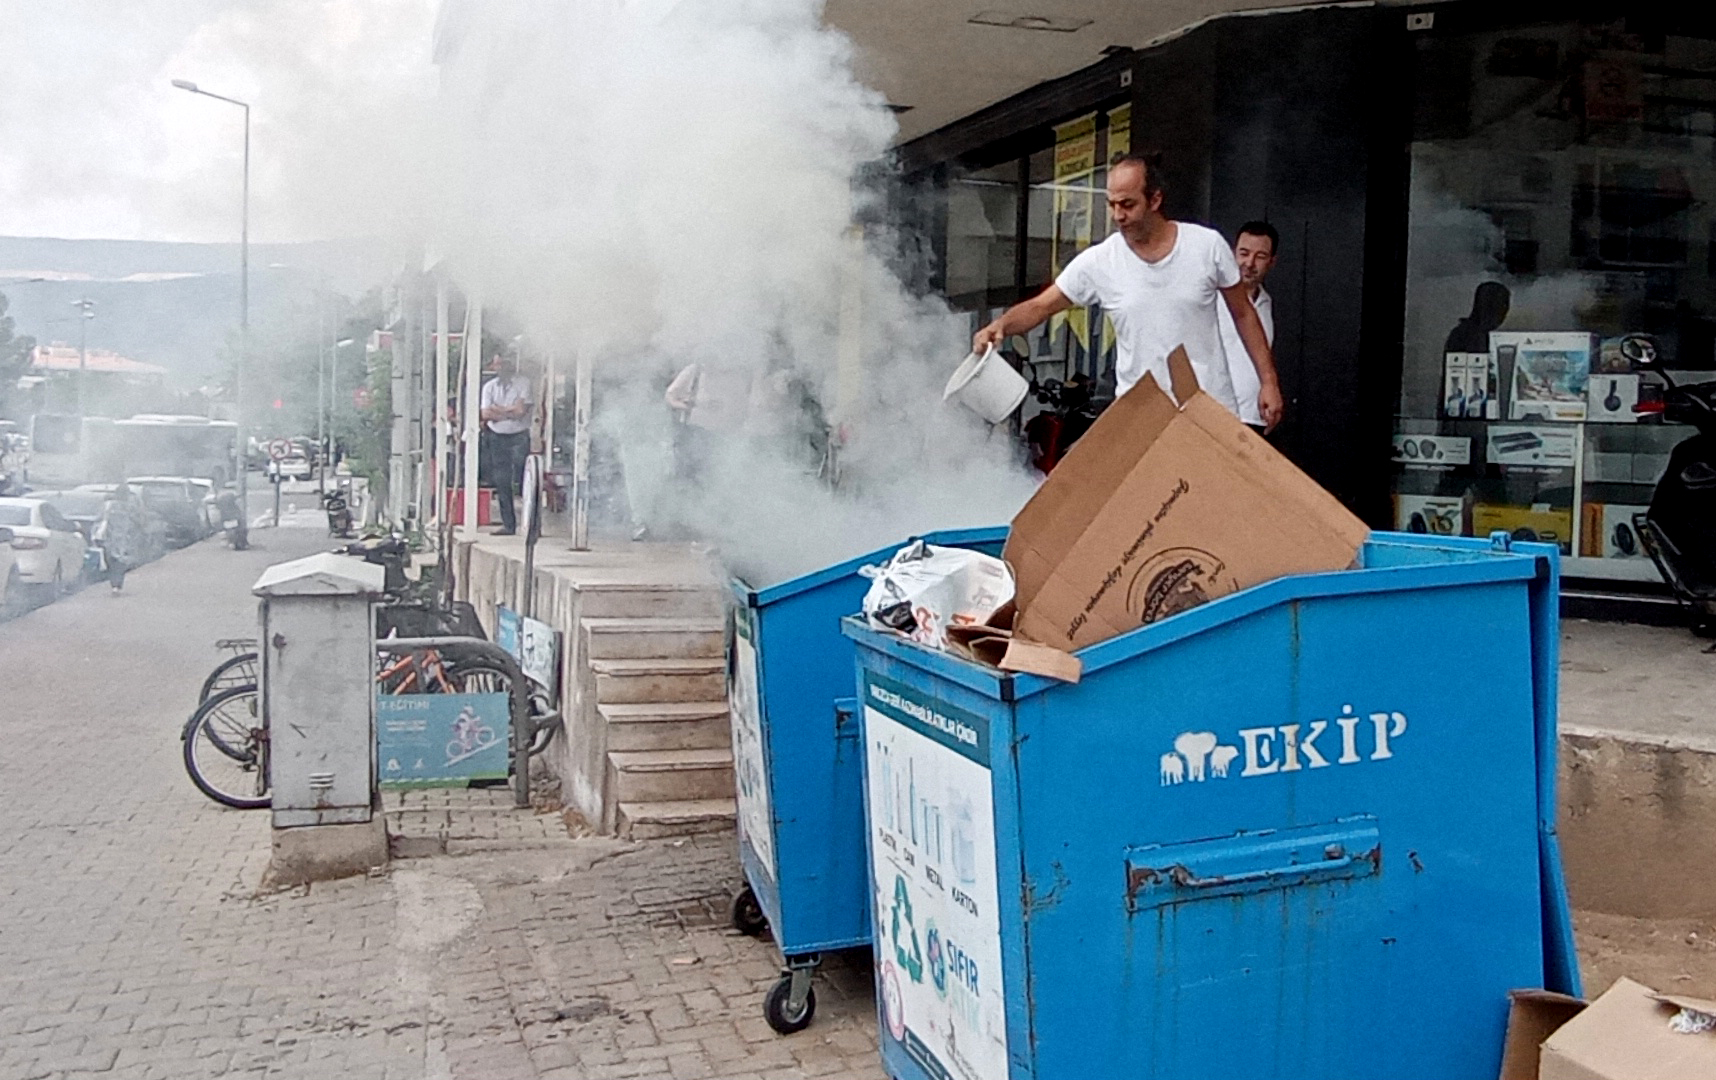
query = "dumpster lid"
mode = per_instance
[{"x": 326, "y": 574}]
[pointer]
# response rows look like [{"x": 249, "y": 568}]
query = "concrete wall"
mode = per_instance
[{"x": 1638, "y": 824}]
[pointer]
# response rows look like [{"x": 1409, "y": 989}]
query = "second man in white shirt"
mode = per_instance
[{"x": 1254, "y": 251}]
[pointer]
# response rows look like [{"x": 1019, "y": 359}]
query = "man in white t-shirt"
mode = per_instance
[
  {"x": 1161, "y": 282},
  {"x": 507, "y": 404},
  {"x": 1254, "y": 251}
]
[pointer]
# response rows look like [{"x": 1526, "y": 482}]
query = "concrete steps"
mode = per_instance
[
  {"x": 689, "y": 599},
  {"x": 654, "y": 776},
  {"x": 673, "y": 725},
  {"x": 609, "y": 638},
  {"x": 645, "y": 821},
  {"x": 626, "y": 682}
]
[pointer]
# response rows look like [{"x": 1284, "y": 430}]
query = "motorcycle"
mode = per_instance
[
  {"x": 1070, "y": 410},
  {"x": 232, "y": 521},
  {"x": 339, "y": 514},
  {"x": 1678, "y": 530}
]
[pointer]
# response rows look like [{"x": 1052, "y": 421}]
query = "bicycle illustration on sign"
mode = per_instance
[{"x": 471, "y": 736}]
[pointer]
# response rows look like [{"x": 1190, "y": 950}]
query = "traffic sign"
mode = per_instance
[{"x": 279, "y": 449}]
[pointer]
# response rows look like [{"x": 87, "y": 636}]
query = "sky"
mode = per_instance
[{"x": 96, "y": 142}]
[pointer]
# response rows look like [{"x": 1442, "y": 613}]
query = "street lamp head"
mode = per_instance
[
  {"x": 185, "y": 84},
  {"x": 343, "y": 342}
]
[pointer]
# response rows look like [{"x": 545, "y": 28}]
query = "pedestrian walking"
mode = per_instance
[{"x": 121, "y": 536}]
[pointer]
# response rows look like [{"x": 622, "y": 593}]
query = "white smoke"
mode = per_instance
[
  {"x": 648, "y": 183},
  {"x": 655, "y": 184}
]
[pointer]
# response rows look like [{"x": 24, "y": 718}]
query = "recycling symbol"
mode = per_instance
[{"x": 912, "y": 963}]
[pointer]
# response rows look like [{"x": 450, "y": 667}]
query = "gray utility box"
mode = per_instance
[{"x": 318, "y": 687}]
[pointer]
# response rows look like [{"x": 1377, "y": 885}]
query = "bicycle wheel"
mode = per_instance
[
  {"x": 478, "y": 677},
  {"x": 231, "y": 720},
  {"x": 234, "y": 671}
]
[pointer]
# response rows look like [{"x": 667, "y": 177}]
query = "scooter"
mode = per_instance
[
  {"x": 339, "y": 514},
  {"x": 1071, "y": 410},
  {"x": 1678, "y": 531},
  {"x": 232, "y": 522}
]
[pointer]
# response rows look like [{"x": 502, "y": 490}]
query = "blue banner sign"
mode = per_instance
[{"x": 441, "y": 740}]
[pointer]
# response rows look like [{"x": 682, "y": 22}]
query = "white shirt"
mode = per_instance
[
  {"x": 502, "y": 391},
  {"x": 1243, "y": 372},
  {"x": 1159, "y": 306}
]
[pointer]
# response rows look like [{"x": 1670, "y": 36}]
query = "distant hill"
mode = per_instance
[{"x": 174, "y": 304}]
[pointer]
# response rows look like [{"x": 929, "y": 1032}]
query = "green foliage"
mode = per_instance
[{"x": 14, "y": 356}]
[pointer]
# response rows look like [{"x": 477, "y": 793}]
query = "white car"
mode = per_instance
[
  {"x": 48, "y": 547},
  {"x": 296, "y": 467},
  {"x": 11, "y": 588}
]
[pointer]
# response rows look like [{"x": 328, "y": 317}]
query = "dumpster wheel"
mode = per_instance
[
  {"x": 747, "y": 914},
  {"x": 778, "y": 1008}
]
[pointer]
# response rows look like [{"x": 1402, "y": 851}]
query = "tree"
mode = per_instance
[{"x": 14, "y": 356}]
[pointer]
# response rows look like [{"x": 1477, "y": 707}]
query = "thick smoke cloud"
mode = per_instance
[
  {"x": 658, "y": 184},
  {"x": 648, "y": 183}
]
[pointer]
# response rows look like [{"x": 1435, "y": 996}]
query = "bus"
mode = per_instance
[{"x": 69, "y": 450}]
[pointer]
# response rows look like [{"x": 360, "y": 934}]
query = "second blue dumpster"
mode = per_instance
[
  {"x": 1306, "y": 830},
  {"x": 795, "y": 759}
]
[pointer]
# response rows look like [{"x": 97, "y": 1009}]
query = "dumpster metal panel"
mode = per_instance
[
  {"x": 796, "y": 750},
  {"x": 1295, "y": 832}
]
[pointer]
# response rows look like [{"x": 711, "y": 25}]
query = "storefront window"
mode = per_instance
[
  {"x": 982, "y": 235},
  {"x": 1563, "y": 182}
]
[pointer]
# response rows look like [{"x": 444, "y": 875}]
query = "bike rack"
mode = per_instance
[{"x": 519, "y": 693}]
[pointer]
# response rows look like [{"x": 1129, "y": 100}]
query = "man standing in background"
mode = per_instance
[
  {"x": 1254, "y": 250},
  {"x": 507, "y": 403},
  {"x": 1162, "y": 282}
]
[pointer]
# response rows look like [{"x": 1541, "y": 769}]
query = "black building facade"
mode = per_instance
[{"x": 1552, "y": 165}]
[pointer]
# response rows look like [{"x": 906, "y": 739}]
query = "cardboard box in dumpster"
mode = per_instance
[
  {"x": 1162, "y": 507},
  {"x": 1630, "y": 1033}
]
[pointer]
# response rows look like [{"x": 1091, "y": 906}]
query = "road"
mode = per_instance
[{"x": 135, "y": 944}]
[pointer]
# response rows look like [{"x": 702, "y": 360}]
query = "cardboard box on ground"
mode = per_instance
[
  {"x": 1630, "y": 1033},
  {"x": 1157, "y": 509}
]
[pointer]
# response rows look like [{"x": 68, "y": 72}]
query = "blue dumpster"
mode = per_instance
[
  {"x": 795, "y": 759},
  {"x": 1306, "y": 831}
]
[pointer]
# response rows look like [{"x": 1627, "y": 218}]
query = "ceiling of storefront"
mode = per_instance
[{"x": 930, "y": 58}]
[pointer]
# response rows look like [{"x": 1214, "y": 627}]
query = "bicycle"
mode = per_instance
[
  {"x": 239, "y": 669},
  {"x": 226, "y": 749}
]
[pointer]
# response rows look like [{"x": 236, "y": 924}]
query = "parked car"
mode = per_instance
[
  {"x": 179, "y": 502},
  {"x": 86, "y": 504},
  {"x": 49, "y": 548},
  {"x": 11, "y": 587},
  {"x": 209, "y": 494},
  {"x": 295, "y": 467}
]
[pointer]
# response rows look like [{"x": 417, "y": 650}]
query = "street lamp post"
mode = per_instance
[
  {"x": 86, "y": 308},
  {"x": 243, "y": 306}
]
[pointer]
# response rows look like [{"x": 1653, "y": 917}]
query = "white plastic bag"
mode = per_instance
[{"x": 923, "y": 589}]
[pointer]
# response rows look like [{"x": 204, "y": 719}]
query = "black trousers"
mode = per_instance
[{"x": 505, "y": 456}]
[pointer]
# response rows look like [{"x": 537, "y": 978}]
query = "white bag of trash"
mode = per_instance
[{"x": 923, "y": 589}]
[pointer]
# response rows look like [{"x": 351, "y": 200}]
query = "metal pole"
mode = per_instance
[
  {"x": 82, "y": 349},
  {"x": 321, "y": 393},
  {"x": 442, "y": 376},
  {"x": 244, "y": 338},
  {"x": 472, "y": 355},
  {"x": 582, "y": 381}
]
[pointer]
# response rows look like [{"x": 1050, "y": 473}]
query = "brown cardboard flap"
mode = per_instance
[
  {"x": 1181, "y": 375},
  {"x": 996, "y": 646},
  {"x": 1029, "y": 658},
  {"x": 1681, "y": 1001},
  {"x": 1533, "y": 1016},
  {"x": 1076, "y": 491},
  {"x": 1624, "y": 1035}
]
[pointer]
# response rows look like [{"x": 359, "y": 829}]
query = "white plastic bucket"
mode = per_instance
[{"x": 988, "y": 386}]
